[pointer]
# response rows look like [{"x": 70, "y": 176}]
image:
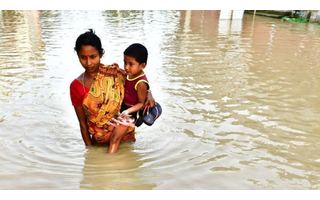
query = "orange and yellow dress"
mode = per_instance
[{"x": 102, "y": 102}]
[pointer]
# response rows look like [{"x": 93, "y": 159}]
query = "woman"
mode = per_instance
[{"x": 97, "y": 94}]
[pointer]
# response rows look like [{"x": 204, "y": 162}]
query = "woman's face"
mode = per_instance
[{"x": 89, "y": 58}]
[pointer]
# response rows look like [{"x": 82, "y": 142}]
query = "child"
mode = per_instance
[{"x": 136, "y": 86}]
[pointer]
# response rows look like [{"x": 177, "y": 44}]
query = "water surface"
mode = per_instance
[{"x": 240, "y": 102}]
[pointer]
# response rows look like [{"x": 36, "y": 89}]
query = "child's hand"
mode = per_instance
[
  {"x": 124, "y": 113},
  {"x": 122, "y": 121}
]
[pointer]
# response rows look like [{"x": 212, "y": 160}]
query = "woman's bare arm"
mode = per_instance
[
  {"x": 83, "y": 125},
  {"x": 150, "y": 100}
]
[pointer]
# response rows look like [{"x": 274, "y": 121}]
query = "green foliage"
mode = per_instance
[
  {"x": 283, "y": 18},
  {"x": 299, "y": 20}
]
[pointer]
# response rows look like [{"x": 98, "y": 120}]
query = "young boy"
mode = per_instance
[{"x": 136, "y": 86}]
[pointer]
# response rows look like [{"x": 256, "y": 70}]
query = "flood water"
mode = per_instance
[{"x": 240, "y": 102}]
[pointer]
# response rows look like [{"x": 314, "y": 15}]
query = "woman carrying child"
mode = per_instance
[{"x": 97, "y": 95}]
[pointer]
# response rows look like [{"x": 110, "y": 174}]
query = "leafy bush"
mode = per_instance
[{"x": 299, "y": 20}]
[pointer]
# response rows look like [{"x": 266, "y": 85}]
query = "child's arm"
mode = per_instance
[{"x": 142, "y": 95}]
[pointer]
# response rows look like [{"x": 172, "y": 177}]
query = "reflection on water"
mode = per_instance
[
  {"x": 113, "y": 172},
  {"x": 240, "y": 102}
]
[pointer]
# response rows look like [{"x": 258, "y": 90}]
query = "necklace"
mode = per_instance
[{"x": 84, "y": 90}]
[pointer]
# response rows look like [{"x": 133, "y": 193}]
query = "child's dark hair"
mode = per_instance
[
  {"x": 89, "y": 38},
  {"x": 138, "y": 52}
]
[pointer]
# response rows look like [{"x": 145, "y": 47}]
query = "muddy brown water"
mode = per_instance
[{"x": 240, "y": 102}]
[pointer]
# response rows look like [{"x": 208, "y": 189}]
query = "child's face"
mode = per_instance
[
  {"x": 89, "y": 58},
  {"x": 132, "y": 67}
]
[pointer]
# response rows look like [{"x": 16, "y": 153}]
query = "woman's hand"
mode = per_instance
[{"x": 150, "y": 100}]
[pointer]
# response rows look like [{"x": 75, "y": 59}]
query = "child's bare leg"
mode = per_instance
[
  {"x": 111, "y": 128},
  {"x": 115, "y": 138}
]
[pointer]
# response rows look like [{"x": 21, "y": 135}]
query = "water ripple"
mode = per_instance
[{"x": 240, "y": 102}]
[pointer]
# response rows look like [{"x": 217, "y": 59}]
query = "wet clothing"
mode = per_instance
[{"x": 102, "y": 102}]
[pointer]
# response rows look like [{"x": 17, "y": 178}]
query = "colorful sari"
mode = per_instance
[{"x": 103, "y": 102}]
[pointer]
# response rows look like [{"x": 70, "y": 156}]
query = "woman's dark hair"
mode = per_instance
[
  {"x": 89, "y": 38},
  {"x": 137, "y": 51}
]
